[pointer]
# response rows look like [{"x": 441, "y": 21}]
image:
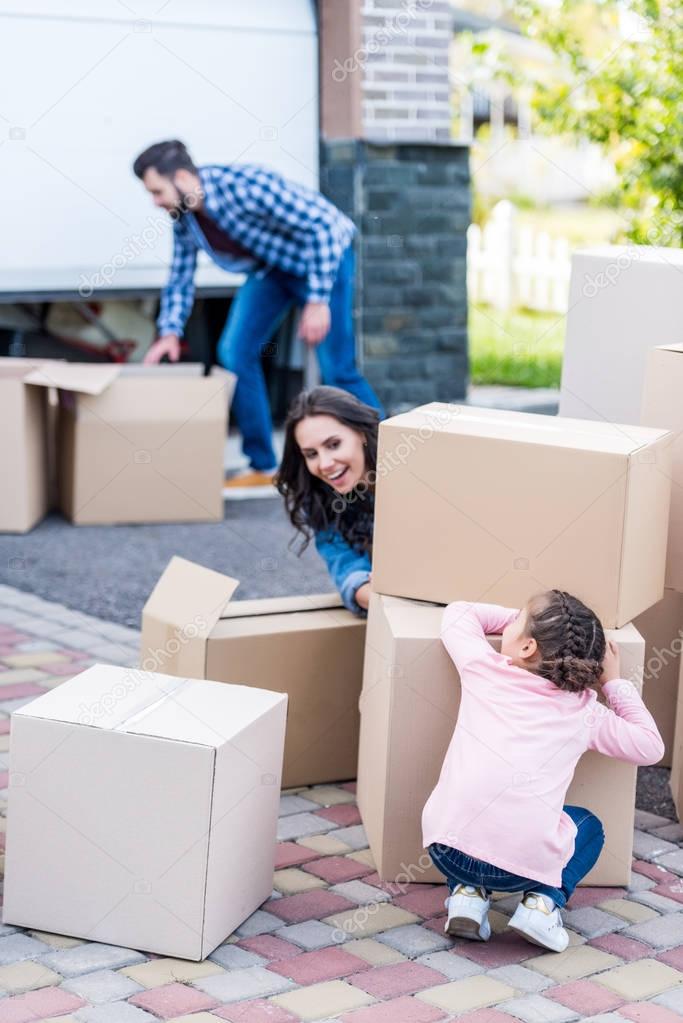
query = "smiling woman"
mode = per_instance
[{"x": 327, "y": 480}]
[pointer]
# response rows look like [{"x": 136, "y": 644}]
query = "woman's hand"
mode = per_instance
[
  {"x": 314, "y": 325},
  {"x": 169, "y": 345},
  {"x": 611, "y": 665},
  {"x": 363, "y": 595}
]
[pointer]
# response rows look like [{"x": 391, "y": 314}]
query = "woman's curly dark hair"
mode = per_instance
[
  {"x": 311, "y": 504},
  {"x": 571, "y": 641}
]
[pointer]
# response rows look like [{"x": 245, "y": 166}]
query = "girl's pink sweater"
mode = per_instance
[{"x": 514, "y": 750}]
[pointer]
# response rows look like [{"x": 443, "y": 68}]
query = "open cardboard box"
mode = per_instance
[
  {"x": 143, "y": 809},
  {"x": 139, "y": 443},
  {"x": 409, "y": 707},
  {"x": 661, "y": 626},
  {"x": 487, "y": 505},
  {"x": 309, "y": 647}
]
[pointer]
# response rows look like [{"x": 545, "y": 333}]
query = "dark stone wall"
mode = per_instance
[{"x": 411, "y": 203}]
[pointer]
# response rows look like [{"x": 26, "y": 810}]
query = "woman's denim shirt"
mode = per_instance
[{"x": 349, "y": 568}]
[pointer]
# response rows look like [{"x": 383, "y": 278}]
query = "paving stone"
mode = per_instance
[
  {"x": 464, "y": 995},
  {"x": 102, "y": 986},
  {"x": 259, "y": 922},
  {"x": 292, "y": 881},
  {"x": 171, "y": 1000},
  {"x": 626, "y": 948},
  {"x": 413, "y": 940},
  {"x": 87, "y": 958},
  {"x": 296, "y": 804},
  {"x": 34, "y": 1005},
  {"x": 358, "y": 891},
  {"x": 325, "y": 845},
  {"x": 506, "y": 950},
  {"x": 591, "y": 896},
  {"x": 56, "y": 940},
  {"x": 313, "y": 905},
  {"x": 344, "y": 815},
  {"x": 157, "y": 972},
  {"x": 34, "y": 659},
  {"x": 640, "y": 883},
  {"x": 576, "y": 962},
  {"x": 649, "y": 847},
  {"x": 647, "y": 1012},
  {"x": 674, "y": 957},
  {"x": 585, "y": 997},
  {"x": 642, "y": 979},
  {"x": 672, "y": 861},
  {"x": 26, "y": 976},
  {"x": 521, "y": 978},
  {"x": 15, "y": 947},
  {"x": 254, "y": 982},
  {"x": 671, "y": 832},
  {"x": 231, "y": 957},
  {"x": 398, "y": 1010},
  {"x": 635, "y": 912},
  {"x": 655, "y": 871},
  {"x": 427, "y": 902},
  {"x": 374, "y": 952},
  {"x": 290, "y": 854},
  {"x": 115, "y": 1012},
  {"x": 672, "y": 999},
  {"x": 645, "y": 821},
  {"x": 537, "y": 1009},
  {"x": 300, "y": 824},
  {"x": 451, "y": 965},
  {"x": 354, "y": 837},
  {"x": 397, "y": 979},
  {"x": 664, "y": 932},
  {"x": 19, "y": 675},
  {"x": 670, "y": 890},
  {"x": 366, "y": 921},
  {"x": 255, "y": 1010},
  {"x": 312, "y": 934},
  {"x": 336, "y": 869},
  {"x": 330, "y": 795},
  {"x": 331, "y": 998},
  {"x": 656, "y": 900},
  {"x": 324, "y": 964},
  {"x": 605, "y": 1017},
  {"x": 363, "y": 856},
  {"x": 593, "y": 922},
  {"x": 269, "y": 948}
]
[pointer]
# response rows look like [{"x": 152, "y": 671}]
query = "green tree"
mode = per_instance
[{"x": 621, "y": 87}]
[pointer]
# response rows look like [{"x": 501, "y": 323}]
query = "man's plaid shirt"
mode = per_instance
[{"x": 283, "y": 224}]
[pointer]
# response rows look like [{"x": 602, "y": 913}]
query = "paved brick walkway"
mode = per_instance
[{"x": 333, "y": 941}]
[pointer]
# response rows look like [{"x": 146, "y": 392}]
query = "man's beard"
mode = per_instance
[{"x": 187, "y": 202}]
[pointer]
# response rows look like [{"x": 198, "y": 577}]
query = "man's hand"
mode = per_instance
[
  {"x": 314, "y": 324},
  {"x": 169, "y": 345},
  {"x": 611, "y": 666}
]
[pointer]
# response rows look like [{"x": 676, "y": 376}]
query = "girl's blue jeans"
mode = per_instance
[
  {"x": 459, "y": 868},
  {"x": 260, "y": 306}
]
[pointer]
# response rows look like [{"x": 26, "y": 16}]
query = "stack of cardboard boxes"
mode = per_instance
[{"x": 495, "y": 506}]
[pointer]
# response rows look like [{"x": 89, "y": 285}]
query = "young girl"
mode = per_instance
[
  {"x": 327, "y": 480},
  {"x": 496, "y": 820}
]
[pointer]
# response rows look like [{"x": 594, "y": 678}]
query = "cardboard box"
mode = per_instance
[
  {"x": 139, "y": 443},
  {"x": 662, "y": 406},
  {"x": 160, "y": 799},
  {"x": 409, "y": 707},
  {"x": 622, "y": 301},
  {"x": 310, "y": 647},
  {"x": 24, "y": 460},
  {"x": 661, "y": 627},
  {"x": 496, "y": 506}
]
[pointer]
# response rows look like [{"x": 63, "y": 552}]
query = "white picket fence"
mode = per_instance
[{"x": 510, "y": 265}]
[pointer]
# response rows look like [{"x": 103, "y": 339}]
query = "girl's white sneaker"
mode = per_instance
[
  {"x": 468, "y": 909},
  {"x": 538, "y": 920}
]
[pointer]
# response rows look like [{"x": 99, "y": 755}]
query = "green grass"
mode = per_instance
[{"x": 517, "y": 349}]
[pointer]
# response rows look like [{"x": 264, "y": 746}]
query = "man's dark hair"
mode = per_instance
[{"x": 165, "y": 157}]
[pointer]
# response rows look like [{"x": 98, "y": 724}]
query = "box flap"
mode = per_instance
[
  {"x": 163, "y": 369},
  {"x": 88, "y": 378},
  {"x": 146, "y": 703},
  {"x": 179, "y": 615},
  {"x": 281, "y": 605},
  {"x": 676, "y": 347},
  {"x": 420, "y": 424}
]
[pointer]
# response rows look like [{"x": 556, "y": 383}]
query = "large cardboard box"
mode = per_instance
[
  {"x": 622, "y": 301},
  {"x": 139, "y": 443},
  {"x": 662, "y": 406},
  {"x": 495, "y": 506},
  {"x": 23, "y": 451},
  {"x": 143, "y": 809},
  {"x": 409, "y": 707},
  {"x": 661, "y": 627},
  {"x": 310, "y": 647}
]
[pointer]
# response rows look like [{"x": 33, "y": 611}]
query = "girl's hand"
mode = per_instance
[
  {"x": 611, "y": 666},
  {"x": 363, "y": 596}
]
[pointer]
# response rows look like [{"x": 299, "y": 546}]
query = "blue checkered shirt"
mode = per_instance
[{"x": 280, "y": 223}]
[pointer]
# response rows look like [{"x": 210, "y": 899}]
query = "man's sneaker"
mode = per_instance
[
  {"x": 538, "y": 919},
  {"x": 250, "y": 478},
  {"x": 468, "y": 909}
]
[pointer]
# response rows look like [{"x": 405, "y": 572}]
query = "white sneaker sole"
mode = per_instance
[
  {"x": 523, "y": 924},
  {"x": 464, "y": 925}
]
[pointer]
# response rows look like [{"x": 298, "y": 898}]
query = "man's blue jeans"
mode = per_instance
[
  {"x": 461, "y": 869},
  {"x": 258, "y": 309}
]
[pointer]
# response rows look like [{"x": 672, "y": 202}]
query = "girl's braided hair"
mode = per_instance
[{"x": 571, "y": 641}]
